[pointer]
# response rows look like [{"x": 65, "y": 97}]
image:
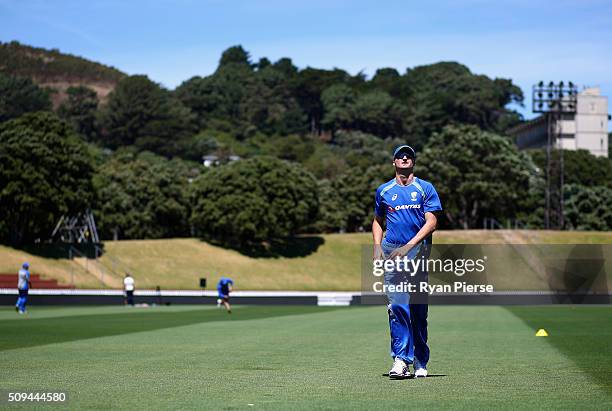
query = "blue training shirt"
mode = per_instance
[
  {"x": 404, "y": 208},
  {"x": 223, "y": 285}
]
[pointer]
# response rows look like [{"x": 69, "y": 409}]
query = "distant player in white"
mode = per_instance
[{"x": 128, "y": 287}]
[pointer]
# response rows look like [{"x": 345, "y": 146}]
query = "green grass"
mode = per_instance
[
  {"x": 194, "y": 357},
  {"x": 325, "y": 262},
  {"x": 582, "y": 333}
]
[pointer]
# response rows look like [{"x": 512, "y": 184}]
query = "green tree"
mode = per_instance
[
  {"x": 269, "y": 104},
  {"x": 308, "y": 87},
  {"x": 286, "y": 67},
  {"x": 143, "y": 196},
  {"x": 45, "y": 172},
  {"x": 347, "y": 202},
  {"x": 358, "y": 190},
  {"x": 362, "y": 150},
  {"x": 588, "y": 208},
  {"x": 19, "y": 95},
  {"x": 292, "y": 148},
  {"x": 339, "y": 107},
  {"x": 249, "y": 100},
  {"x": 235, "y": 55},
  {"x": 249, "y": 201},
  {"x": 139, "y": 112},
  {"x": 388, "y": 80},
  {"x": 263, "y": 63},
  {"x": 325, "y": 162},
  {"x": 206, "y": 97},
  {"x": 376, "y": 112},
  {"x": 222, "y": 95},
  {"x": 194, "y": 148},
  {"x": 80, "y": 110},
  {"x": 448, "y": 93},
  {"x": 580, "y": 167},
  {"x": 477, "y": 174},
  {"x": 332, "y": 215}
]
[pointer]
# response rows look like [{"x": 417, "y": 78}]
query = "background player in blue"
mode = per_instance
[
  {"x": 23, "y": 286},
  {"x": 224, "y": 287},
  {"x": 407, "y": 204}
]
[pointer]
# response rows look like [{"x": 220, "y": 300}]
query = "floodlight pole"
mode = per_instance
[
  {"x": 553, "y": 100},
  {"x": 548, "y": 166},
  {"x": 561, "y": 176}
]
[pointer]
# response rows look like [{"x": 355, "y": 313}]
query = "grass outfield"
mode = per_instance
[
  {"x": 196, "y": 357},
  {"x": 327, "y": 262}
]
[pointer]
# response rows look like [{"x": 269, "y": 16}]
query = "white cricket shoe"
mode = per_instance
[
  {"x": 399, "y": 369},
  {"x": 419, "y": 370},
  {"x": 420, "y": 373}
]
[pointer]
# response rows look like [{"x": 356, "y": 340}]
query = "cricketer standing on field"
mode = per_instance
[
  {"x": 23, "y": 286},
  {"x": 128, "y": 287},
  {"x": 408, "y": 206}
]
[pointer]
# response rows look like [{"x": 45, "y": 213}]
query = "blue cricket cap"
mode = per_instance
[
  {"x": 25, "y": 265},
  {"x": 405, "y": 149}
]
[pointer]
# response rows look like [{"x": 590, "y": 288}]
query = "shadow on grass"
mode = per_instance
[
  {"x": 25, "y": 332},
  {"x": 59, "y": 251},
  {"x": 412, "y": 377},
  {"x": 292, "y": 247},
  {"x": 581, "y": 333}
]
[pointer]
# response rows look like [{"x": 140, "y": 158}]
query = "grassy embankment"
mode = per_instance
[{"x": 325, "y": 262}]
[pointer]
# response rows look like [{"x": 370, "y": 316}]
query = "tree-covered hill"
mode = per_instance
[
  {"x": 57, "y": 70},
  {"x": 139, "y": 157}
]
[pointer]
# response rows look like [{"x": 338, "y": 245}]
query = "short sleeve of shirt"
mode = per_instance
[
  {"x": 432, "y": 201},
  {"x": 379, "y": 207}
]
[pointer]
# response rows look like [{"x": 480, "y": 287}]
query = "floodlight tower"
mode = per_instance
[
  {"x": 77, "y": 229},
  {"x": 556, "y": 102}
]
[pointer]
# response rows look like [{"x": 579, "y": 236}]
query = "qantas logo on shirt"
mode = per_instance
[{"x": 403, "y": 207}]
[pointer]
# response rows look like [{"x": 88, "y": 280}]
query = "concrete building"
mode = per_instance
[{"x": 586, "y": 129}]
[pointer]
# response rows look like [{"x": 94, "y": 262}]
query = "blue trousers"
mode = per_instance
[
  {"x": 407, "y": 322},
  {"x": 22, "y": 300}
]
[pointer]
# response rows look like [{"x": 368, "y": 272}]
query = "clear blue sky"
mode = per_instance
[{"x": 172, "y": 40}]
